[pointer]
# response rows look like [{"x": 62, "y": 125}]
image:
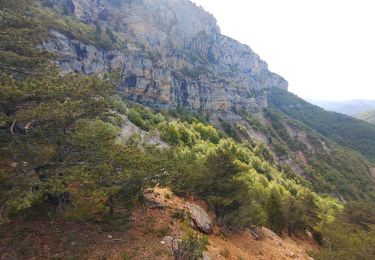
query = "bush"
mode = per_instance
[
  {"x": 191, "y": 247},
  {"x": 179, "y": 133},
  {"x": 207, "y": 132},
  {"x": 144, "y": 117}
]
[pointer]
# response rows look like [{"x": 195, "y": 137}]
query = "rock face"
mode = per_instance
[
  {"x": 169, "y": 52},
  {"x": 200, "y": 218}
]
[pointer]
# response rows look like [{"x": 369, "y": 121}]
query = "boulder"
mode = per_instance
[{"x": 200, "y": 218}]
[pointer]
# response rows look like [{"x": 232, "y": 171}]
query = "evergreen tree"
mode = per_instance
[{"x": 275, "y": 212}]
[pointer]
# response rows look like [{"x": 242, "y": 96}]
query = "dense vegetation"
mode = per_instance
[
  {"x": 351, "y": 235},
  {"x": 60, "y": 150},
  {"x": 344, "y": 130}
]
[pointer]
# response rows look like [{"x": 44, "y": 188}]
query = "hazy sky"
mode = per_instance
[{"x": 324, "y": 48}]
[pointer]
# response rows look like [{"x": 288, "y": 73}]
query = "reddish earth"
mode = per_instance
[{"x": 42, "y": 239}]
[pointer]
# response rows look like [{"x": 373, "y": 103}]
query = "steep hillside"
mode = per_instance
[
  {"x": 103, "y": 101},
  {"x": 182, "y": 60},
  {"x": 368, "y": 116},
  {"x": 344, "y": 130},
  {"x": 148, "y": 237}
]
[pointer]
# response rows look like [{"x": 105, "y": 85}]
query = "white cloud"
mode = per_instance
[{"x": 324, "y": 48}]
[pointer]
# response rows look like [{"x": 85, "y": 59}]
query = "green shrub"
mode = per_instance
[{"x": 191, "y": 247}]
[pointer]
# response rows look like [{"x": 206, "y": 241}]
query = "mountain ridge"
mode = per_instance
[{"x": 348, "y": 107}]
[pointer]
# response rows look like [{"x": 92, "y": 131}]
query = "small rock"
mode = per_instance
[
  {"x": 291, "y": 254},
  {"x": 200, "y": 218},
  {"x": 167, "y": 240},
  {"x": 110, "y": 237}
]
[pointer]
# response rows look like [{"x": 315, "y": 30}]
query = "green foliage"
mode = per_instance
[
  {"x": 188, "y": 115},
  {"x": 71, "y": 26},
  {"x": 351, "y": 235},
  {"x": 228, "y": 128},
  {"x": 144, "y": 117},
  {"x": 207, "y": 132},
  {"x": 241, "y": 182},
  {"x": 20, "y": 32},
  {"x": 59, "y": 145},
  {"x": 191, "y": 247},
  {"x": 104, "y": 38},
  {"x": 275, "y": 213},
  {"x": 280, "y": 131},
  {"x": 253, "y": 121},
  {"x": 195, "y": 73},
  {"x": 341, "y": 172},
  {"x": 264, "y": 153},
  {"x": 182, "y": 132},
  {"x": 331, "y": 169}
]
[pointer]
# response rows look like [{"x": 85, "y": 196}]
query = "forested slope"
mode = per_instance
[{"x": 344, "y": 130}]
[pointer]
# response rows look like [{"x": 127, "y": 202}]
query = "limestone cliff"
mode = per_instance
[{"x": 169, "y": 52}]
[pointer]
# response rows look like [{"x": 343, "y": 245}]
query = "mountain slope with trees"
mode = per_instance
[
  {"x": 344, "y": 130},
  {"x": 62, "y": 156}
]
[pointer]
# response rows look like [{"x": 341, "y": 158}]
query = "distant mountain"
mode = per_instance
[
  {"x": 349, "y": 107},
  {"x": 368, "y": 116}
]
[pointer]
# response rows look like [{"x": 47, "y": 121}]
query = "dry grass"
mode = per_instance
[{"x": 41, "y": 239}]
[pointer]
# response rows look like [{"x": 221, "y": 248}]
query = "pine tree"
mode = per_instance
[{"x": 275, "y": 212}]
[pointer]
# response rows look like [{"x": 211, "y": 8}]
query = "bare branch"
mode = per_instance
[{"x": 12, "y": 127}]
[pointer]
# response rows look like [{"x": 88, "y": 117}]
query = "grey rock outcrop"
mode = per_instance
[
  {"x": 200, "y": 218},
  {"x": 170, "y": 53}
]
